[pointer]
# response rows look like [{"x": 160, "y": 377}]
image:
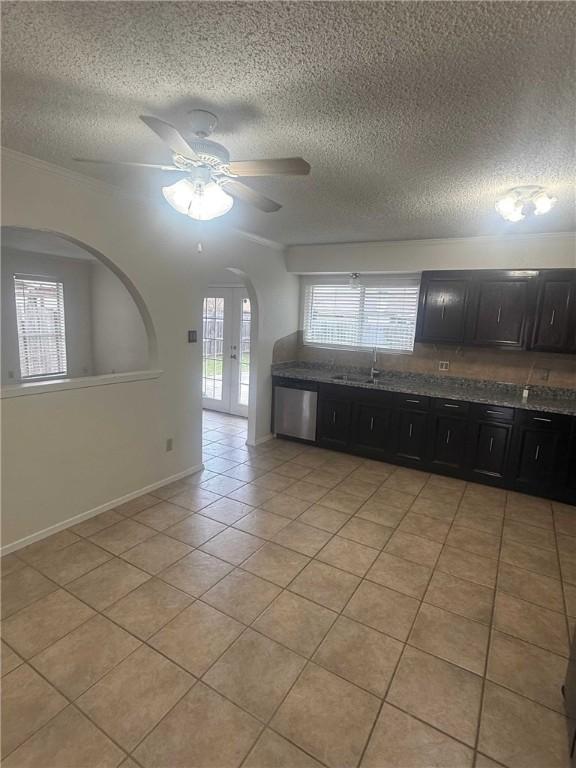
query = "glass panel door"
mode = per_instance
[
  {"x": 214, "y": 392},
  {"x": 244, "y": 359},
  {"x": 226, "y": 325}
]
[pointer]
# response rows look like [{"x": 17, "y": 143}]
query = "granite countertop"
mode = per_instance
[{"x": 549, "y": 399}]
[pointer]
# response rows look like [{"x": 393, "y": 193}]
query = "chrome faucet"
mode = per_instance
[{"x": 373, "y": 370}]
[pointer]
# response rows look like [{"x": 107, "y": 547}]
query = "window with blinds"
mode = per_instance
[
  {"x": 380, "y": 312},
  {"x": 41, "y": 328}
]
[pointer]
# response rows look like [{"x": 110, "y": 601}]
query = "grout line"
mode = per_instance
[{"x": 285, "y": 589}]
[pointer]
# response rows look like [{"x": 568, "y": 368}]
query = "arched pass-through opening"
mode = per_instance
[{"x": 68, "y": 312}]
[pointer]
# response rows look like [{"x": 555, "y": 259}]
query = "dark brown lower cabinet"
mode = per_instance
[
  {"x": 447, "y": 444},
  {"x": 371, "y": 430},
  {"x": 540, "y": 452},
  {"x": 529, "y": 451},
  {"x": 334, "y": 419},
  {"x": 409, "y": 437},
  {"x": 488, "y": 449}
]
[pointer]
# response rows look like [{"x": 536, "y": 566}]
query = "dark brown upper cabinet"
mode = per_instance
[
  {"x": 442, "y": 308},
  {"x": 509, "y": 309},
  {"x": 555, "y": 322},
  {"x": 499, "y": 310}
]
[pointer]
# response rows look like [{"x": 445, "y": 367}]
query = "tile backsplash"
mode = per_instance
[{"x": 513, "y": 367}]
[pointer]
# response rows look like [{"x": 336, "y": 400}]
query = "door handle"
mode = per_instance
[
  {"x": 232, "y": 357},
  {"x": 443, "y": 311},
  {"x": 552, "y": 317},
  {"x": 371, "y": 423},
  {"x": 410, "y": 430},
  {"x": 447, "y": 437},
  {"x": 491, "y": 445},
  {"x": 537, "y": 454}
]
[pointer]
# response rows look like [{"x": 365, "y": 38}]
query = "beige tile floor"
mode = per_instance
[{"x": 292, "y": 607}]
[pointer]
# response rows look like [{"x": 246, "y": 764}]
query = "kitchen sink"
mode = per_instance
[{"x": 352, "y": 379}]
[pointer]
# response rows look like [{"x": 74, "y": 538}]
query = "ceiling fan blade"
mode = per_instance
[
  {"x": 248, "y": 195},
  {"x": 136, "y": 165},
  {"x": 170, "y": 136},
  {"x": 290, "y": 166}
]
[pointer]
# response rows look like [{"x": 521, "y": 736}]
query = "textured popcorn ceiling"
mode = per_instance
[{"x": 414, "y": 116}]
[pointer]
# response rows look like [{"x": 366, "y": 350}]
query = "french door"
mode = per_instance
[{"x": 226, "y": 321}]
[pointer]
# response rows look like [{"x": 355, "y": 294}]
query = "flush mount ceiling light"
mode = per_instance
[
  {"x": 520, "y": 202},
  {"x": 210, "y": 184}
]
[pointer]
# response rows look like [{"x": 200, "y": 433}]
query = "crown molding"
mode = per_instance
[{"x": 436, "y": 241}]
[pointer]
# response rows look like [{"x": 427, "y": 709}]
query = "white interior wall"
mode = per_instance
[
  {"x": 506, "y": 252},
  {"x": 67, "y": 453},
  {"x": 75, "y": 276},
  {"x": 119, "y": 340}
]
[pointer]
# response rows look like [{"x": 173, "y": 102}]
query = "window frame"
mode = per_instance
[
  {"x": 21, "y": 277},
  {"x": 374, "y": 279}
]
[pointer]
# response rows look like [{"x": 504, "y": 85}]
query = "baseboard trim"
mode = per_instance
[
  {"x": 263, "y": 439},
  {"x": 39, "y": 535}
]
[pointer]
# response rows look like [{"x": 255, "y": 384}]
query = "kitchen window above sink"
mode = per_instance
[{"x": 370, "y": 311}]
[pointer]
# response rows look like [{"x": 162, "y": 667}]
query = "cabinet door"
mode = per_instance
[
  {"x": 499, "y": 313},
  {"x": 448, "y": 443},
  {"x": 553, "y": 315},
  {"x": 334, "y": 423},
  {"x": 442, "y": 310},
  {"x": 410, "y": 432},
  {"x": 371, "y": 428},
  {"x": 536, "y": 457},
  {"x": 489, "y": 447}
]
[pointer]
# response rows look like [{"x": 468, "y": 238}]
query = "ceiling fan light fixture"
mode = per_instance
[
  {"x": 198, "y": 199},
  {"x": 519, "y": 202}
]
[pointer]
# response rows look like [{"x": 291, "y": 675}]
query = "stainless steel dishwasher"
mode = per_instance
[{"x": 295, "y": 412}]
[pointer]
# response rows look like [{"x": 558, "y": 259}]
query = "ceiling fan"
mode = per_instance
[{"x": 210, "y": 184}]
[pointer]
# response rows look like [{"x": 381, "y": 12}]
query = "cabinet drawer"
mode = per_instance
[
  {"x": 493, "y": 413},
  {"x": 544, "y": 420},
  {"x": 414, "y": 402},
  {"x": 452, "y": 407}
]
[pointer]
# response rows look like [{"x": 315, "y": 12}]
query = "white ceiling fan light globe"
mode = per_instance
[
  {"x": 197, "y": 199},
  {"x": 510, "y": 207},
  {"x": 543, "y": 203}
]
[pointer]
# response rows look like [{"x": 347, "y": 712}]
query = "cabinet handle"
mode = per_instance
[
  {"x": 412, "y": 401},
  {"x": 410, "y": 430},
  {"x": 499, "y": 315},
  {"x": 371, "y": 423},
  {"x": 552, "y": 317},
  {"x": 491, "y": 445},
  {"x": 447, "y": 405},
  {"x": 443, "y": 311},
  {"x": 333, "y": 417},
  {"x": 537, "y": 453},
  {"x": 495, "y": 413},
  {"x": 541, "y": 418},
  {"x": 447, "y": 437}
]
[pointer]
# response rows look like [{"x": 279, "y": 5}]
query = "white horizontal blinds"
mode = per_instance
[
  {"x": 389, "y": 318},
  {"x": 331, "y": 315},
  {"x": 380, "y": 312},
  {"x": 41, "y": 328}
]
